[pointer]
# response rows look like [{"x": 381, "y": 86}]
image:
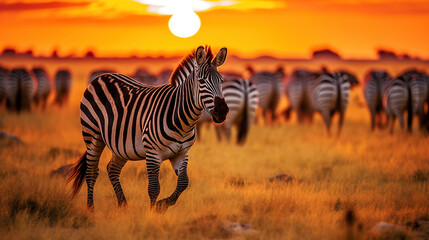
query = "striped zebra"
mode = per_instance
[
  {"x": 375, "y": 85},
  {"x": 96, "y": 73},
  {"x": 43, "y": 87},
  {"x": 141, "y": 122},
  {"x": 242, "y": 98},
  {"x": 269, "y": 86},
  {"x": 3, "y": 77},
  {"x": 330, "y": 94},
  {"x": 297, "y": 92},
  {"x": 398, "y": 100},
  {"x": 62, "y": 86},
  {"x": 419, "y": 86},
  {"x": 19, "y": 90}
]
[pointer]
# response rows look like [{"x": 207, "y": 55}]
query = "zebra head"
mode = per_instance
[{"x": 209, "y": 82}]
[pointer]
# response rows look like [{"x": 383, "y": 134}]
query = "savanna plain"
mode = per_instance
[{"x": 342, "y": 186}]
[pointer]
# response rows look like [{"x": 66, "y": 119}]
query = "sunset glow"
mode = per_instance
[{"x": 248, "y": 28}]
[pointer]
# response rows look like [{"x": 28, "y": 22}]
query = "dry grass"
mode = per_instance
[{"x": 379, "y": 176}]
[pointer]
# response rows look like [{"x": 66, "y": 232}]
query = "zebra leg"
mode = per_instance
[
  {"x": 392, "y": 125},
  {"x": 340, "y": 123},
  {"x": 180, "y": 164},
  {"x": 373, "y": 119},
  {"x": 327, "y": 118},
  {"x": 114, "y": 170},
  {"x": 401, "y": 121},
  {"x": 93, "y": 157},
  {"x": 152, "y": 164}
]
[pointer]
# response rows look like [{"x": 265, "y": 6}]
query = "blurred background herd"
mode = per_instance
[{"x": 264, "y": 90}]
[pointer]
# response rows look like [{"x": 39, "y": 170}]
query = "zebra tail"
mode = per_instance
[
  {"x": 77, "y": 173},
  {"x": 243, "y": 126},
  {"x": 410, "y": 109}
]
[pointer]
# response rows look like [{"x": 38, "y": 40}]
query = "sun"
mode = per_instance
[{"x": 184, "y": 23}]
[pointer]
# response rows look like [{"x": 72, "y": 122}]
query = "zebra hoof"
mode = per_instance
[{"x": 161, "y": 206}]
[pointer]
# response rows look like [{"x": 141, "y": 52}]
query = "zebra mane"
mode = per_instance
[{"x": 186, "y": 66}]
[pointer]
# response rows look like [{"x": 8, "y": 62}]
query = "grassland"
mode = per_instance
[{"x": 380, "y": 177}]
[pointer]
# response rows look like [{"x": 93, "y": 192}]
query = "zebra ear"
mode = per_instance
[
  {"x": 220, "y": 57},
  {"x": 200, "y": 55}
]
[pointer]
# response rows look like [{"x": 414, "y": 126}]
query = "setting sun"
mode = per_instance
[{"x": 184, "y": 23}]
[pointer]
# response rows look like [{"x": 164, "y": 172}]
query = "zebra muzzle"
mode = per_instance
[{"x": 220, "y": 110}]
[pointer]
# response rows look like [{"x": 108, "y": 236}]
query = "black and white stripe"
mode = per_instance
[
  {"x": 19, "y": 90},
  {"x": 375, "y": 85},
  {"x": 269, "y": 86},
  {"x": 330, "y": 94},
  {"x": 420, "y": 96},
  {"x": 3, "y": 77},
  {"x": 43, "y": 87},
  {"x": 298, "y": 93},
  {"x": 141, "y": 122},
  {"x": 242, "y": 98},
  {"x": 398, "y": 100},
  {"x": 62, "y": 86}
]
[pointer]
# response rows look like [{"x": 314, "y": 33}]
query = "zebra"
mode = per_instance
[
  {"x": 96, "y": 73},
  {"x": 297, "y": 92},
  {"x": 3, "y": 77},
  {"x": 330, "y": 94},
  {"x": 419, "y": 86},
  {"x": 375, "y": 85},
  {"x": 43, "y": 87},
  {"x": 153, "y": 123},
  {"x": 269, "y": 86},
  {"x": 62, "y": 86},
  {"x": 242, "y": 98},
  {"x": 19, "y": 90}
]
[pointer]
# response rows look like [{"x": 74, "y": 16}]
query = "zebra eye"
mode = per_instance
[{"x": 201, "y": 80}]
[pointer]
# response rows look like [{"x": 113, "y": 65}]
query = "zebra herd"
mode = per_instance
[
  {"x": 21, "y": 89},
  {"x": 323, "y": 92},
  {"x": 394, "y": 95},
  {"x": 328, "y": 93},
  {"x": 144, "y": 119}
]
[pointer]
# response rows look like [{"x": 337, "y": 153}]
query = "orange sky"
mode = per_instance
[{"x": 353, "y": 28}]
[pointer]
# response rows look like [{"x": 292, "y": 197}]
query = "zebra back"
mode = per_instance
[
  {"x": 19, "y": 90},
  {"x": 43, "y": 84},
  {"x": 419, "y": 91},
  {"x": 270, "y": 87},
  {"x": 62, "y": 86},
  {"x": 3, "y": 77},
  {"x": 419, "y": 95},
  {"x": 375, "y": 84},
  {"x": 398, "y": 98},
  {"x": 325, "y": 93},
  {"x": 297, "y": 91}
]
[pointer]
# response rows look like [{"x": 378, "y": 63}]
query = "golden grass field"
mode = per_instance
[{"x": 378, "y": 176}]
